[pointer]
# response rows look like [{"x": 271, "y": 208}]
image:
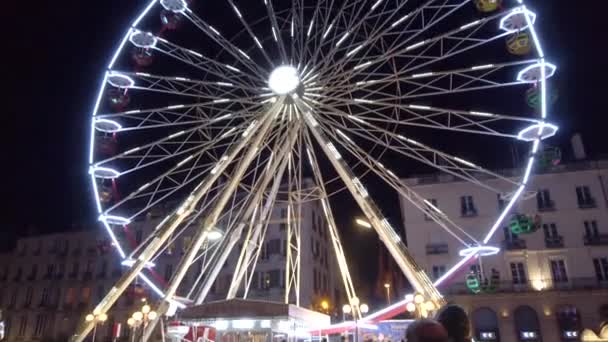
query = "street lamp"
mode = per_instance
[
  {"x": 141, "y": 318},
  {"x": 363, "y": 223},
  {"x": 348, "y": 309},
  {"x": 387, "y": 286},
  {"x": 96, "y": 318}
]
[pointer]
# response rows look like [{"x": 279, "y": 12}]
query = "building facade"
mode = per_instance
[
  {"x": 49, "y": 283},
  {"x": 553, "y": 282}
]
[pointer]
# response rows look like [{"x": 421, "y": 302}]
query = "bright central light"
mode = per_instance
[{"x": 284, "y": 80}]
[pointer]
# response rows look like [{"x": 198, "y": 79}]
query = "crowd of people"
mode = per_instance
[{"x": 451, "y": 324}]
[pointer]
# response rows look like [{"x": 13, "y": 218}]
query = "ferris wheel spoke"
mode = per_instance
[
  {"x": 239, "y": 55},
  {"x": 422, "y": 204},
  {"x": 422, "y": 153},
  {"x": 276, "y": 31},
  {"x": 474, "y": 122},
  {"x": 256, "y": 40},
  {"x": 169, "y": 147},
  {"x": 358, "y": 53},
  {"x": 188, "y": 86},
  {"x": 440, "y": 47},
  {"x": 225, "y": 72}
]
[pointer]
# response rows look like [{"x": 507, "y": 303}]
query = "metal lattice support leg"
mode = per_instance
[{"x": 414, "y": 273}]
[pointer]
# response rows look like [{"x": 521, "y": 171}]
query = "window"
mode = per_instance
[
  {"x": 13, "y": 299},
  {"x": 518, "y": 273},
  {"x": 34, "y": 272},
  {"x": 40, "y": 325},
  {"x": 103, "y": 269},
  {"x": 60, "y": 271},
  {"x": 86, "y": 295},
  {"x": 601, "y": 268},
  {"x": 139, "y": 236},
  {"x": 438, "y": 271},
  {"x": 283, "y": 213},
  {"x": 543, "y": 200},
  {"x": 316, "y": 280},
  {"x": 50, "y": 269},
  {"x": 550, "y": 230},
  {"x": 168, "y": 272},
  {"x": 283, "y": 226},
  {"x": 22, "y": 326},
  {"x": 275, "y": 278},
  {"x": 430, "y": 203},
  {"x": 274, "y": 247},
  {"x": 29, "y": 293},
  {"x": 100, "y": 293},
  {"x": 558, "y": 271},
  {"x": 70, "y": 296},
  {"x": 467, "y": 206},
  {"x": 44, "y": 299},
  {"x": 501, "y": 202},
  {"x": 591, "y": 230},
  {"x": 75, "y": 269},
  {"x": 266, "y": 281},
  {"x": 583, "y": 197}
]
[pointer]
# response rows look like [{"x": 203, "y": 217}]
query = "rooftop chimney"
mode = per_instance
[{"x": 578, "y": 147}]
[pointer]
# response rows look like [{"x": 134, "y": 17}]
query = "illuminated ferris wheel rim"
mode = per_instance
[{"x": 534, "y": 71}]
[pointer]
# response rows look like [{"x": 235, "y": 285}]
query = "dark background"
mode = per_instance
[{"x": 54, "y": 54}]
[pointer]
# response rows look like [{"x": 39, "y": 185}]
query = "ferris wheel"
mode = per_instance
[{"x": 220, "y": 111}]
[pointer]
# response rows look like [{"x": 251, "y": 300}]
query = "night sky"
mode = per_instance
[{"x": 54, "y": 54}]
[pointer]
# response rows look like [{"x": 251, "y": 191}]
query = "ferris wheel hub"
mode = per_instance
[{"x": 284, "y": 80}]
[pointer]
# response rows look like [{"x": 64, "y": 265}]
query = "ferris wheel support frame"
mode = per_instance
[
  {"x": 414, "y": 273},
  {"x": 165, "y": 229},
  {"x": 263, "y": 127},
  {"x": 254, "y": 233},
  {"x": 335, "y": 237},
  {"x": 249, "y": 211}
]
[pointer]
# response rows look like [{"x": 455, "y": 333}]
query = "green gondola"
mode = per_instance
[
  {"x": 550, "y": 156},
  {"x": 522, "y": 224},
  {"x": 473, "y": 282},
  {"x": 533, "y": 96}
]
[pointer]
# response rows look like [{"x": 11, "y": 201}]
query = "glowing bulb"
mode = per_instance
[
  {"x": 215, "y": 234},
  {"x": 284, "y": 80},
  {"x": 131, "y": 321},
  {"x": 89, "y": 318},
  {"x": 355, "y": 301},
  {"x": 145, "y": 309},
  {"x": 324, "y": 305},
  {"x": 429, "y": 306},
  {"x": 346, "y": 308},
  {"x": 364, "y": 308},
  {"x": 138, "y": 316},
  {"x": 152, "y": 315},
  {"x": 418, "y": 299},
  {"x": 410, "y": 307},
  {"x": 102, "y": 318}
]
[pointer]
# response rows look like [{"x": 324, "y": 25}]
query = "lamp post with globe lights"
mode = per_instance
[
  {"x": 387, "y": 286},
  {"x": 417, "y": 305},
  {"x": 355, "y": 306},
  {"x": 141, "y": 319},
  {"x": 96, "y": 318}
]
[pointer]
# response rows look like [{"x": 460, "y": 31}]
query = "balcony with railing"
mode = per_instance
[
  {"x": 506, "y": 286},
  {"x": 514, "y": 244},
  {"x": 587, "y": 203},
  {"x": 554, "y": 242},
  {"x": 545, "y": 206},
  {"x": 437, "y": 248},
  {"x": 596, "y": 240}
]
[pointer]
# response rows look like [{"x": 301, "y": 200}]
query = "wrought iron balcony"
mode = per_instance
[
  {"x": 588, "y": 203},
  {"x": 437, "y": 249},
  {"x": 514, "y": 244},
  {"x": 596, "y": 240},
  {"x": 554, "y": 242},
  {"x": 546, "y": 206}
]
